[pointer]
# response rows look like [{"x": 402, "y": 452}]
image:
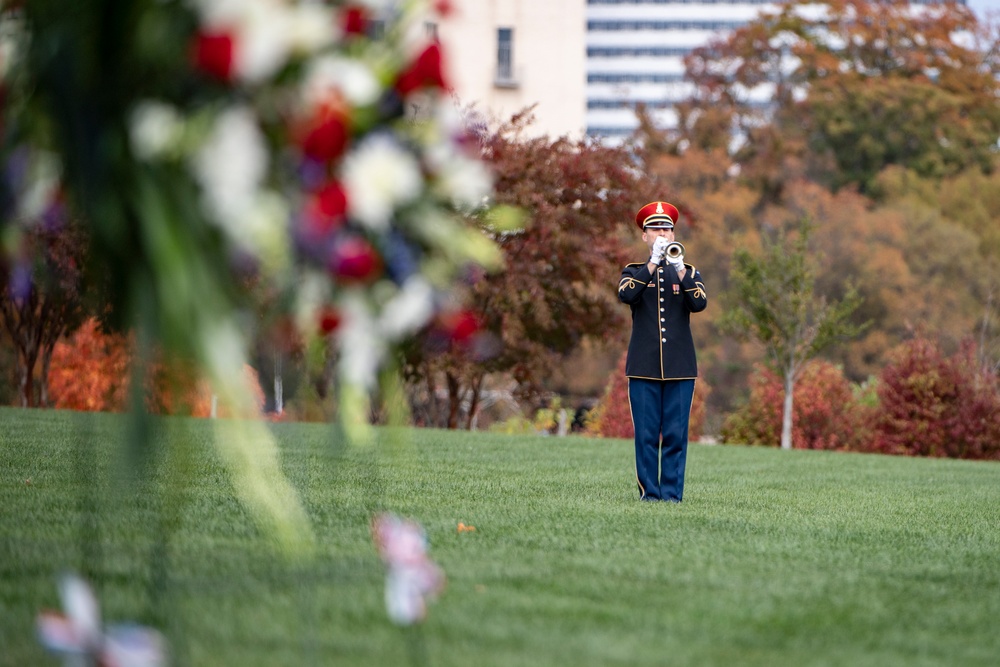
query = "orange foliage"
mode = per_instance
[
  {"x": 91, "y": 371},
  {"x": 201, "y": 396}
]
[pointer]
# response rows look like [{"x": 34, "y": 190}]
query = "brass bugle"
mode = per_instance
[{"x": 675, "y": 249}]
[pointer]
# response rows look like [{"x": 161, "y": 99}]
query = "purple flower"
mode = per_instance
[{"x": 20, "y": 283}]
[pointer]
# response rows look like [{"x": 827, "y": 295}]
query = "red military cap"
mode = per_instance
[{"x": 657, "y": 215}]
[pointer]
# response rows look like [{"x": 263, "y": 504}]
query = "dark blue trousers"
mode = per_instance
[{"x": 661, "y": 410}]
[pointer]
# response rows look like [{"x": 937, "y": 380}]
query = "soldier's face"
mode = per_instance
[{"x": 650, "y": 235}]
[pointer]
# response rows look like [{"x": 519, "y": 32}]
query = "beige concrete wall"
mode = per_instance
[{"x": 549, "y": 60}]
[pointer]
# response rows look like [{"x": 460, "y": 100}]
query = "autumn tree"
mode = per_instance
[
  {"x": 931, "y": 404},
  {"x": 841, "y": 90},
  {"x": 577, "y": 199},
  {"x": 91, "y": 371},
  {"x": 924, "y": 256},
  {"x": 41, "y": 299},
  {"x": 773, "y": 301},
  {"x": 827, "y": 413}
]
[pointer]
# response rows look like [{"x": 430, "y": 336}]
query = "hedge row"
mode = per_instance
[{"x": 923, "y": 403}]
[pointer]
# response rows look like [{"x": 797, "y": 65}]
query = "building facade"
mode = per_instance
[
  {"x": 506, "y": 55},
  {"x": 586, "y": 64},
  {"x": 635, "y": 54}
]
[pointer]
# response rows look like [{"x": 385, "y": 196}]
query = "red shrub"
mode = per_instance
[
  {"x": 825, "y": 414},
  {"x": 931, "y": 405},
  {"x": 613, "y": 417}
]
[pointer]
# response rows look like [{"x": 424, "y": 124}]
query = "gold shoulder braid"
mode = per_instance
[{"x": 627, "y": 283}]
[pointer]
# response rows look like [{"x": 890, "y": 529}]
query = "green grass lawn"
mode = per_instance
[{"x": 774, "y": 558}]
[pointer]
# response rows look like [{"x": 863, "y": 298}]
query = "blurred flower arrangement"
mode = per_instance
[
  {"x": 79, "y": 637},
  {"x": 412, "y": 579},
  {"x": 309, "y": 145},
  {"x": 318, "y": 163}
]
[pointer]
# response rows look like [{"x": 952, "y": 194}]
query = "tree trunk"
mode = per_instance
[
  {"x": 324, "y": 380},
  {"x": 433, "y": 408},
  {"x": 454, "y": 400},
  {"x": 786, "y": 415},
  {"x": 26, "y": 385},
  {"x": 477, "y": 388},
  {"x": 279, "y": 387},
  {"x": 43, "y": 380}
]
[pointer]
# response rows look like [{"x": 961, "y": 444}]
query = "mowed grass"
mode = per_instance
[{"x": 774, "y": 558}]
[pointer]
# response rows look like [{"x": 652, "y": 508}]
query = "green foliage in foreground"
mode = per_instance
[{"x": 775, "y": 557}]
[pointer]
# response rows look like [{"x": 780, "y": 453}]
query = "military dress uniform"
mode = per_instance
[{"x": 662, "y": 368}]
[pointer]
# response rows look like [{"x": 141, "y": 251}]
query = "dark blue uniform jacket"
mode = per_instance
[{"x": 661, "y": 347}]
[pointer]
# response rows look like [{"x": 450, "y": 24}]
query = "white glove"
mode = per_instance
[
  {"x": 659, "y": 249},
  {"x": 677, "y": 262}
]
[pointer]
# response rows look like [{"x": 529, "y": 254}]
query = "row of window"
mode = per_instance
[
  {"x": 682, "y": 2},
  {"x": 664, "y": 25},
  {"x": 735, "y": 2},
  {"x": 629, "y": 104},
  {"x": 658, "y": 104},
  {"x": 634, "y": 78},
  {"x": 632, "y": 51},
  {"x": 597, "y": 131}
]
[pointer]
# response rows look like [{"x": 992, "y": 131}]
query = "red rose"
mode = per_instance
[
  {"x": 355, "y": 260},
  {"x": 424, "y": 72},
  {"x": 214, "y": 54},
  {"x": 329, "y": 320},
  {"x": 325, "y": 137},
  {"x": 355, "y": 20},
  {"x": 326, "y": 208},
  {"x": 443, "y": 8},
  {"x": 460, "y": 326}
]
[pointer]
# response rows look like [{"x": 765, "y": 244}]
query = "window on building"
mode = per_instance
[{"x": 505, "y": 57}]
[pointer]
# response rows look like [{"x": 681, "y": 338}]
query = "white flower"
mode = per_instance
[
  {"x": 218, "y": 14},
  {"x": 466, "y": 182},
  {"x": 381, "y": 7},
  {"x": 263, "y": 41},
  {"x": 312, "y": 293},
  {"x": 331, "y": 74},
  {"x": 462, "y": 179},
  {"x": 41, "y": 184},
  {"x": 312, "y": 27},
  {"x": 78, "y": 637},
  {"x": 11, "y": 44},
  {"x": 230, "y": 167},
  {"x": 411, "y": 578},
  {"x": 81, "y": 609},
  {"x": 408, "y": 310},
  {"x": 264, "y": 231},
  {"x": 363, "y": 348},
  {"x": 224, "y": 348},
  {"x": 379, "y": 176},
  {"x": 264, "y": 33},
  {"x": 154, "y": 128}
]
